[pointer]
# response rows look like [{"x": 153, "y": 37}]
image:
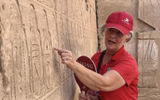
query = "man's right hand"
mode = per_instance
[
  {"x": 82, "y": 96},
  {"x": 88, "y": 96}
]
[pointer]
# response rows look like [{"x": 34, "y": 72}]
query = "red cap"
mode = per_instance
[{"x": 121, "y": 21}]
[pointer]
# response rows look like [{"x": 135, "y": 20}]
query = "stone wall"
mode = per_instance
[
  {"x": 145, "y": 44},
  {"x": 30, "y": 29}
]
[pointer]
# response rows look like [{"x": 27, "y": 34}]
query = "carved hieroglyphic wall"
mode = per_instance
[
  {"x": 149, "y": 50},
  {"x": 145, "y": 44},
  {"x": 30, "y": 29}
]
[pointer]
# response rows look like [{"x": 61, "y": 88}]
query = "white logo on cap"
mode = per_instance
[{"x": 126, "y": 20}]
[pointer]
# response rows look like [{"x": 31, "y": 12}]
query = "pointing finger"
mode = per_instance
[
  {"x": 57, "y": 49},
  {"x": 60, "y": 50}
]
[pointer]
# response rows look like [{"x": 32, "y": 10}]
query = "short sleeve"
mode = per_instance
[{"x": 128, "y": 70}]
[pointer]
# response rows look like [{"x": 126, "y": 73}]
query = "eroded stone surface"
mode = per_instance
[{"x": 30, "y": 29}]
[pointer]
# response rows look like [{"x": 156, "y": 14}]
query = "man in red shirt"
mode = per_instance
[{"x": 117, "y": 76}]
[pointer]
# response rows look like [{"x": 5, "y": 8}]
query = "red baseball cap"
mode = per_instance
[{"x": 121, "y": 21}]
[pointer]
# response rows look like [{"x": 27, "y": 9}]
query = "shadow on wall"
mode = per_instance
[{"x": 3, "y": 80}]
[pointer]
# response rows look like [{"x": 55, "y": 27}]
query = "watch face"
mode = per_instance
[{"x": 88, "y": 63}]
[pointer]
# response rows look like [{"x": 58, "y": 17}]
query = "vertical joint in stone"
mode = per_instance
[{"x": 98, "y": 37}]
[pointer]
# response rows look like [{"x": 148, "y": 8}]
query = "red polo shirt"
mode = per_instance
[{"x": 126, "y": 66}]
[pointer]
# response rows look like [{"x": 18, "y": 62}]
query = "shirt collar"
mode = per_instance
[{"x": 118, "y": 54}]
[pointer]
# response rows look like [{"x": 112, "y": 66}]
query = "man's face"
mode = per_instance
[{"x": 114, "y": 39}]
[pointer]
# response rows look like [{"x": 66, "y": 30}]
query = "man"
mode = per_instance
[{"x": 118, "y": 72}]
